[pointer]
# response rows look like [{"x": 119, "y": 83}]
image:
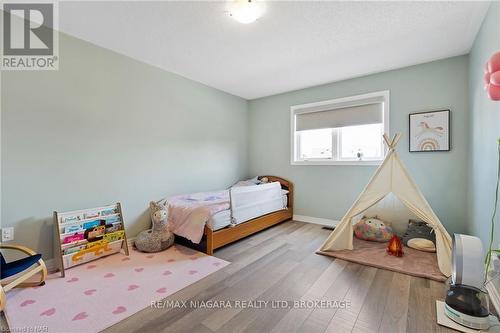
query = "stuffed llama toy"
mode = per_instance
[{"x": 159, "y": 237}]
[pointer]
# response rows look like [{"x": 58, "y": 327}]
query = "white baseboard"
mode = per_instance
[
  {"x": 52, "y": 264},
  {"x": 130, "y": 242},
  {"x": 315, "y": 220}
]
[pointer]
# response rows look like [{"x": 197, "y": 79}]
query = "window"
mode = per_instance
[{"x": 341, "y": 131}]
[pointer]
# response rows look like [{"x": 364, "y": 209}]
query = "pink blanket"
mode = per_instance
[{"x": 187, "y": 214}]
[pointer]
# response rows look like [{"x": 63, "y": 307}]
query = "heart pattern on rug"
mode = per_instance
[
  {"x": 89, "y": 292},
  {"x": 101, "y": 293},
  {"x": 27, "y": 302},
  {"x": 132, "y": 287},
  {"x": 119, "y": 309},
  {"x": 80, "y": 316},
  {"x": 48, "y": 312}
]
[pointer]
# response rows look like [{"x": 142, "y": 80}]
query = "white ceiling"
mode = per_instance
[{"x": 294, "y": 45}]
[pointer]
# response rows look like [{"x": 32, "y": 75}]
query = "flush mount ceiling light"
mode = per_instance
[{"x": 246, "y": 11}]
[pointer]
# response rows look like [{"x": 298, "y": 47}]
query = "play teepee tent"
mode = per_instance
[{"x": 392, "y": 176}]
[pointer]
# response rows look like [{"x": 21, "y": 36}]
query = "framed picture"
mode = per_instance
[{"x": 430, "y": 131}]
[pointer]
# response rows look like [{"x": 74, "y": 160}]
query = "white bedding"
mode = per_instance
[
  {"x": 220, "y": 220},
  {"x": 248, "y": 202},
  {"x": 188, "y": 214},
  {"x": 223, "y": 219}
]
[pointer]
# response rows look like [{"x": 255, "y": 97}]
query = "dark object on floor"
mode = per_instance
[
  {"x": 328, "y": 228},
  {"x": 418, "y": 229},
  {"x": 201, "y": 246},
  {"x": 467, "y": 306},
  {"x": 466, "y": 300}
]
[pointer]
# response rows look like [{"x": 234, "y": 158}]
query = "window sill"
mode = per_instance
[{"x": 346, "y": 163}]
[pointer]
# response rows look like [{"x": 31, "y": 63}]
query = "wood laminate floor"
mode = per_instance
[{"x": 279, "y": 264}]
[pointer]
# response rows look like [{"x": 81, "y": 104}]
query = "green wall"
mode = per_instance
[
  {"x": 107, "y": 128},
  {"x": 484, "y": 121},
  {"x": 328, "y": 191}
]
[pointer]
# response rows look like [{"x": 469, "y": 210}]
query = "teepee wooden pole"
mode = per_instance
[
  {"x": 396, "y": 139},
  {"x": 387, "y": 141}
]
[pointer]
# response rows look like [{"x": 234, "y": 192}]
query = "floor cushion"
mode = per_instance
[{"x": 422, "y": 244}]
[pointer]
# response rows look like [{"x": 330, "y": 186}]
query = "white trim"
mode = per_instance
[
  {"x": 303, "y": 108},
  {"x": 130, "y": 242},
  {"x": 51, "y": 265},
  {"x": 315, "y": 220},
  {"x": 346, "y": 163},
  {"x": 356, "y": 98}
]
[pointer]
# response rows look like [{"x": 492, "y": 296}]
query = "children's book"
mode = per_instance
[{"x": 89, "y": 234}]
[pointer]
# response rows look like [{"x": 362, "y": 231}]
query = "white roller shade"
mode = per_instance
[{"x": 372, "y": 113}]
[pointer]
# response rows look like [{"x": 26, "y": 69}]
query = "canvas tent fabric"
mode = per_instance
[{"x": 392, "y": 176}]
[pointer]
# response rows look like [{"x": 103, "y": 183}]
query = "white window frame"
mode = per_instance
[{"x": 330, "y": 105}]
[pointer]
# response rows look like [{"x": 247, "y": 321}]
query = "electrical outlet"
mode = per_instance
[{"x": 7, "y": 234}]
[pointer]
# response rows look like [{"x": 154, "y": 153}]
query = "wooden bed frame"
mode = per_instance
[{"x": 219, "y": 238}]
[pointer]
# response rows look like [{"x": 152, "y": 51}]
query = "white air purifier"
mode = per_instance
[{"x": 466, "y": 300}]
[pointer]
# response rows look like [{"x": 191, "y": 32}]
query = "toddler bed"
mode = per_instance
[{"x": 207, "y": 221}]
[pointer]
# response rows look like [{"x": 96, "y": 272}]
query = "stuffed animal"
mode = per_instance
[
  {"x": 418, "y": 229},
  {"x": 159, "y": 237},
  {"x": 394, "y": 247},
  {"x": 372, "y": 229},
  {"x": 422, "y": 244}
]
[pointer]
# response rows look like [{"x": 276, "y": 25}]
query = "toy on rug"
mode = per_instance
[
  {"x": 420, "y": 236},
  {"x": 422, "y": 244},
  {"x": 395, "y": 248},
  {"x": 158, "y": 238},
  {"x": 372, "y": 229}
]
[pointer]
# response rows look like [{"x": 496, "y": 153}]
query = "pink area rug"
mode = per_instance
[
  {"x": 413, "y": 262},
  {"x": 99, "y": 294}
]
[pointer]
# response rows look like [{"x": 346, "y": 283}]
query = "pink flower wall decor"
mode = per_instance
[{"x": 492, "y": 77}]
